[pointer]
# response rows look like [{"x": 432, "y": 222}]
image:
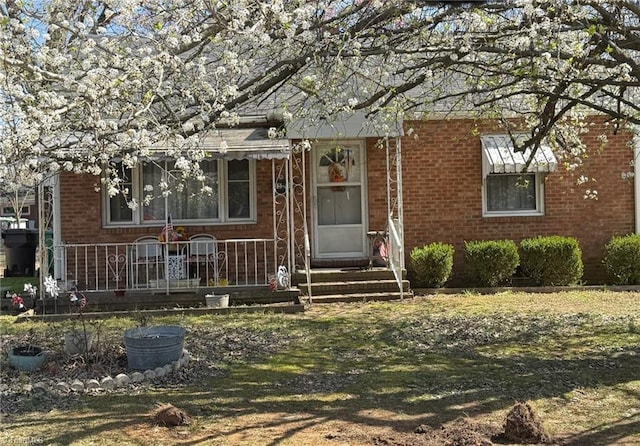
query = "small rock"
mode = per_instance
[
  {"x": 175, "y": 365},
  {"x": 63, "y": 387},
  {"x": 77, "y": 385},
  {"x": 149, "y": 374},
  {"x": 159, "y": 371},
  {"x": 167, "y": 369},
  {"x": 27, "y": 388},
  {"x": 122, "y": 379},
  {"x": 108, "y": 383},
  {"x": 92, "y": 384},
  {"x": 40, "y": 387},
  {"x": 137, "y": 377}
]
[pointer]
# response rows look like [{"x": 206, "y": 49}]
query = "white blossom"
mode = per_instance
[{"x": 84, "y": 83}]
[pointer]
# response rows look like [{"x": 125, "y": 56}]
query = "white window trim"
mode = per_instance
[
  {"x": 537, "y": 212},
  {"x": 540, "y": 179},
  {"x": 8, "y": 211},
  {"x": 222, "y": 219}
]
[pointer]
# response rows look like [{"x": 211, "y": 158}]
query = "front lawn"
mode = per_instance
[{"x": 360, "y": 374}]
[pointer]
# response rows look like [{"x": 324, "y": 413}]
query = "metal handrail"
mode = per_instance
[
  {"x": 307, "y": 261},
  {"x": 396, "y": 253}
]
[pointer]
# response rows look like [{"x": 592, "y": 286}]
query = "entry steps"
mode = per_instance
[{"x": 351, "y": 285}]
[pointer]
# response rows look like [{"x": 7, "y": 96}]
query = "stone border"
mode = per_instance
[
  {"x": 109, "y": 383},
  {"x": 275, "y": 308}
]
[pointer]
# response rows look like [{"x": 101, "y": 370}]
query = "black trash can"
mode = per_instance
[{"x": 20, "y": 251}]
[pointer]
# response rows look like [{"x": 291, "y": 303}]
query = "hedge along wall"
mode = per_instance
[{"x": 442, "y": 174}]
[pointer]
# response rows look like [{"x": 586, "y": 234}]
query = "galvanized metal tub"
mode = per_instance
[{"x": 155, "y": 346}]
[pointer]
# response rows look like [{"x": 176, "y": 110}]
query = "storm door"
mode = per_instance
[{"x": 339, "y": 200}]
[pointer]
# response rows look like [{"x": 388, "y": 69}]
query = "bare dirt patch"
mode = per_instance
[
  {"x": 393, "y": 374},
  {"x": 521, "y": 426}
]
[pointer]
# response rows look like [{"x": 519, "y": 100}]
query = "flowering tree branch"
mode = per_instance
[{"x": 82, "y": 83}]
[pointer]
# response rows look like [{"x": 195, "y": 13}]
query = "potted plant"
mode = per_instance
[
  {"x": 172, "y": 236},
  {"x": 149, "y": 347},
  {"x": 27, "y": 357},
  {"x": 217, "y": 301}
]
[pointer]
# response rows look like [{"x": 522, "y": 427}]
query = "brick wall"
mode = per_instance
[
  {"x": 442, "y": 197},
  {"x": 81, "y": 216},
  {"x": 442, "y": 175}
]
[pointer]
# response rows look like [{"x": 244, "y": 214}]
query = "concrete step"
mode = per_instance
[
  {"x": 359, "y": 297},
  {"x": 343, "y": 275},
  {"x": 353, "y": 287}
]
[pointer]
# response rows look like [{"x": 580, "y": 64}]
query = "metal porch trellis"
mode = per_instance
[
  {"x": 395, "y": 210},
  {"x": 291, "y": 244}
]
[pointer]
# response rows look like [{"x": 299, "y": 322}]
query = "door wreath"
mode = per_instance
[
  {"x": 339, "y": 162},
  {"x": 336, "y": 173}
]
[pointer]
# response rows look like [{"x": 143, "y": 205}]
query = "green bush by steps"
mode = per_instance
[{"x": 432, "y": 264}]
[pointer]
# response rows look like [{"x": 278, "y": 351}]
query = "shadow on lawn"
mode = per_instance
[
  {"x": 607, "y": 433},
  {"x": 369, "y": 376}
]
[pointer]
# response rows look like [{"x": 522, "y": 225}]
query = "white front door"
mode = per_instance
[{"x": 339, "y": 198}]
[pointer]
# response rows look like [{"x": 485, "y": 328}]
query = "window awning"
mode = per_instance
[
  {"x": 251, "y": 143},
  {"x": 499, "y": 156}
]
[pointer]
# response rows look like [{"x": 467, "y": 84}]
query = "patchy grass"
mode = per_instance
[
  {"x": 16, "y": 284},
  {"x": 352, "y": 373}
]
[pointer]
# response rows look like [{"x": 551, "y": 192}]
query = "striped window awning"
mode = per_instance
[
  {"x": 235, "y": 144},
  {"x": 499, "y": 156},
  {"x": 250, "y": 143}
]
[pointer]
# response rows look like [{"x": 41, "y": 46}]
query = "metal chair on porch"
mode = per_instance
[
  {"x": 147, "y": 262},
  {"x": 203, "y": 256}
]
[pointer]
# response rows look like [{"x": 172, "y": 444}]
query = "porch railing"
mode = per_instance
[
  {"x": 156, "y": 266},
  {"x": 396, "y": 254},
  {"x": 307, "y": 262}
]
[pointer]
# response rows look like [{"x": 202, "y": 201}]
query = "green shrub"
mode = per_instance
[
  {"x": 553, "y": 260},
  {"x": 622, "y": 259},
  {"x": 432, "y": 264},
  {"x": 491, "y": 262}
]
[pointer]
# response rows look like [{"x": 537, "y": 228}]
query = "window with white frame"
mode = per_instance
[
  {"x": 513, "y": 181},
  {"x": 232, "y": 196},
  {"x": 513, "y": 194},
  {"x": 8, "y": 211}
]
